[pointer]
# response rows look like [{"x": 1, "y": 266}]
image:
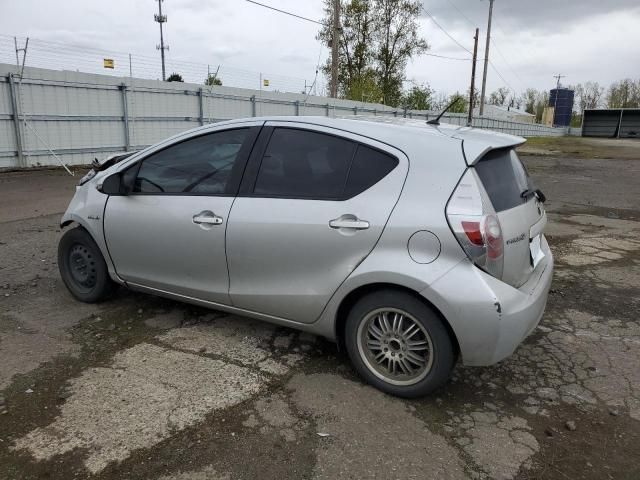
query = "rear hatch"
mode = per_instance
[{"x": 519, "y": 209}]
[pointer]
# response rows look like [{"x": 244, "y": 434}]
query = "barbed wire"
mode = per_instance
[{"x": 61, "y": 56}]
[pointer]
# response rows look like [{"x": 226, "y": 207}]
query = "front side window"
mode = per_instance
[
  {"x": 200, "y": 165},
  {"x": 305, "y": 164}
]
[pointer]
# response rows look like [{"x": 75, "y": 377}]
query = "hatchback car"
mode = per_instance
[{"x": 409, "y": 244}]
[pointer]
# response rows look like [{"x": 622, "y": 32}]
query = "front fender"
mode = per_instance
[{"x": 87, "y": 210}]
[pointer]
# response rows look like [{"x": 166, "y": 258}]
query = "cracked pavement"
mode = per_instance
[{"x": 143, "y": 387}]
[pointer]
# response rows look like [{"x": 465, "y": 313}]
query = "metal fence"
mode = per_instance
[{"x": 50, "y": 117}]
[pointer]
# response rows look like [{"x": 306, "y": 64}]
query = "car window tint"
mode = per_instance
[
  {"x": 304, "y": 164},
  {"x": 504, "y": 178},
  {"x": 368, "y": 168},
  {"x": 201, "y": 165}
]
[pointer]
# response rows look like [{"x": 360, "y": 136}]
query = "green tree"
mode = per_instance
[
  {"x": 624, "y": 94},
  {"x": 397, "y": 40},
  {"x": 364, "y": 88},
  {"x": 175, "y": 77},
  {"x": 378, "y": 38},
  {"x": 461, "y": 105},
  {"x": 417, "y": 97},
  {"x": 354, "y": 54},
  {"x": 212, "y": 80}
]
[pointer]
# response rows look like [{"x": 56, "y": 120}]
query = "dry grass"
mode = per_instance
[{"x": 627, "y": 149}]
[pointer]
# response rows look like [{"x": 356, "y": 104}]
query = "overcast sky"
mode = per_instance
[{"x": 533, "y": 40}]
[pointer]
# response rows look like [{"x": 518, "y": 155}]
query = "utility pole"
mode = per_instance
[
  {"x": 335, "y": 45},
  {"x": 486, "y": 59},
  {"x": 473, "y": 77},
  {"x": 160, "y": 18},
  {"x": 555, "y": 103}
]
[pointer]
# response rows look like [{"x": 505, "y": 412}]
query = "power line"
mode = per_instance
[
  {"x": 446, "y": 33},
  {"x": 493, "y": 42},
  {"x": 446, "y": 57},
  {"x": 285, "y": 12}
]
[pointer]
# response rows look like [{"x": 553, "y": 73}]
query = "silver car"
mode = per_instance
[{"x": 409, "y": 244}]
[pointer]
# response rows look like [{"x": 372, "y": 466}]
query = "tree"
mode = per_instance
[
  {"x": 541, "y": 102},
  {"x": 175, "y": 77},
  {"x": 461, "y": 106},
  {"x": 378, "y": 38},
  {"x": 417, "y": 98},
  {"x": 624, "y": 94},
  {"x": 212, "y": 80},
  {"x": 355, "y": 55},
  {"x": 529, "y": 99},
  {"x": 476, "y": 97},
  {"x": 499, "y": 97},
  {"x": 587, "y": 96},
  {"x": 397, "y": 41}
]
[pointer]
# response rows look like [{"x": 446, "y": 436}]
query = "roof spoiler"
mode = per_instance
[{"x": 476, "y": 143}]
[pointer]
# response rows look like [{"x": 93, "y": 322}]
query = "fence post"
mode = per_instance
[
  {"x": 296, "y": 105},
  {"x": 253, "y": 105},
  {"x": 327, "y": 109},
  {"x": 201, "y": 104},
  {"x": 125, "y": 112},
  {"x": 405, "y": 112},
  {"x": 16, "y": 120},
  {"x": 355, "y": 110}
]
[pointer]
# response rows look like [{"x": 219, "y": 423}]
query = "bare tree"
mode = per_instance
[
  {"x": 588, "y": 96},
  {"x": 499, "y": 97}
]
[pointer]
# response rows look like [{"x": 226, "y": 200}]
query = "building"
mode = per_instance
[
  {"x": 611, "y": 123},
  {"x": 561, "y": 99}
]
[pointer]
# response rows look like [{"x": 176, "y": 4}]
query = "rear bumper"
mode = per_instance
[{"x": 489, "y": 317}]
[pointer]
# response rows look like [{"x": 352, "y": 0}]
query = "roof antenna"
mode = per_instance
[{"x": 436, "y": 121}]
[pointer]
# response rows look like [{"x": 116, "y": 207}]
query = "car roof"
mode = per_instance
[{"x": 393, "y": 130}]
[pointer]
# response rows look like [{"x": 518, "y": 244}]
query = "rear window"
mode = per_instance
[{"x": 504, "y": 178}]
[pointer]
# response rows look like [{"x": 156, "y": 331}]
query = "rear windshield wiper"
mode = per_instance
[{"x": 527, "y": 192}]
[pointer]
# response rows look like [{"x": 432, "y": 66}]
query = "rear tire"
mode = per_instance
[
  {"x": 82, "y": 267},
  {"x": 398, "y": 344}
]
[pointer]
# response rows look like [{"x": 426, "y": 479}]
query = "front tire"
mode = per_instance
[
  {"x": 398, "y": 344},
  {"x": 82, "y": 267}
]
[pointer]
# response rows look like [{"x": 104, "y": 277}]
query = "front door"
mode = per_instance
[
  {"x": 169, "y": 232},
  {"x": 316, "y": 207}
]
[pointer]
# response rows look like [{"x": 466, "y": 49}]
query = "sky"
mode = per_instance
[{"x": 584, "y": 40}]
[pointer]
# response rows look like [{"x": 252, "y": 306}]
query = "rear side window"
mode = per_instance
[
  {"x": 368, "y": 168},
  {"x": 305, "y": 164},
  {"x": 504, "y": 178}
]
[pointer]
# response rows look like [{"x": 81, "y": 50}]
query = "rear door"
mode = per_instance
[
  {"x": 521, "y": 214},
  {"x": 313, "y": 203}
]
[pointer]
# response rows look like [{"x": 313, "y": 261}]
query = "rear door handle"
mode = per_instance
[
  {"x": 349, "y": 221},
  {"x": 207, "y": 217}
]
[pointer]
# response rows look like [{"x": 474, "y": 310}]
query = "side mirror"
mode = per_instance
[{"x": 113, "y": 185}]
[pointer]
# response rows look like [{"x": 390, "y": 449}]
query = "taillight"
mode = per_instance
[{"x": 475, "y": 224}]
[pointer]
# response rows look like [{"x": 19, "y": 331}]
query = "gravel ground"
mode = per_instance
[{"x": 147, "y": 388}]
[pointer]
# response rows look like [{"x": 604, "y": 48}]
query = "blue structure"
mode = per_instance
[{"x": 562, "y": 99}]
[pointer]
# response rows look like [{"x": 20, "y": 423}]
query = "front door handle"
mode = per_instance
[
  {"x": 349, "y": 221},
  {"x": 207, "y": 217}
]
